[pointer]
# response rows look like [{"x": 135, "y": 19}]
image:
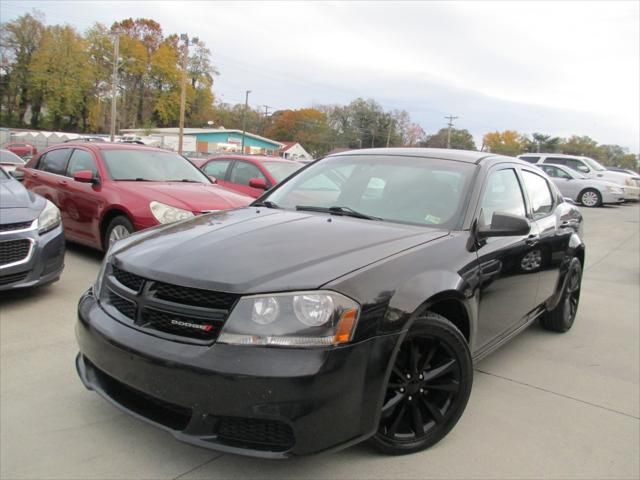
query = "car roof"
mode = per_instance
[
  {"x": 99, "y": 146},
  {"x": 250, "y": 158},
  {"x": 467, "y": 156}
]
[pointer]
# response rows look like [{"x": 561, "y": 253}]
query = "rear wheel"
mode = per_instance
[
  {"x": 119, "y": 227},
  {"x": 590, "y": 198},
  {"x": 428, "y": 389},
  {"x": 561, "y": 318}
]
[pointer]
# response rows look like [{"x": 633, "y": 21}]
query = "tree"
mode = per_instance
[
  {"x": 58, "y": 74},
  {"x": 460, "y": 139},
  {"x": 307, "y": 126},
  {"x": 540, "y": 143},
  {"x": 19, "y": 40},
  {"x": 579, "y": 145},
  {"x": 508, "y": 142}
]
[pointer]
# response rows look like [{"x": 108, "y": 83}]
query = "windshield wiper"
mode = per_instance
[
  {"x": 139, "y": 179},
  {"x": 188, "y": 180},
  {"x": 336, "y": 210},
  {"x": 266, "y": 203}
]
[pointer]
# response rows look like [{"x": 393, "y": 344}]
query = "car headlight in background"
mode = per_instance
[
  {"x": 49, "y": 218},
  {"x": 298, "y": 319},
  {"x": 167, "y": 214}
]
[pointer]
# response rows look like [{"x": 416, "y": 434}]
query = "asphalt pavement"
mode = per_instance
[{"x": 544, "y": 406}]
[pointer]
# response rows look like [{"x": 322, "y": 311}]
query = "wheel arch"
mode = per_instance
[{"x": 109, "y": 215}]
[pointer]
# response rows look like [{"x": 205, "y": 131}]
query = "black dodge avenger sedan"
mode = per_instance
[{"x": 348, "y": 303}]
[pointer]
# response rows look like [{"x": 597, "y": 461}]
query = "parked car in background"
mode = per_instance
[
  {"x": 590, "y": 168},
  {"x": 9, "y": 161},
  {"x": 107, "y": 191},
  {"x": 86, "y": 139},
  {"x": 250, "y": 175},
  {"x": 625, "y": 170},
  {"x": 31, "y": 237},
  {"x": 590, "y": 192},
  {"x": 333, "y": 315},
  {"x": 24, "y": 150}
]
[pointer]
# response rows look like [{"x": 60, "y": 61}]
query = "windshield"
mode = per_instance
[
  {"x": 593, "y": 164},
  {"x": 576, "y": 173},
  {"x": 281, "y": 170},
  {"x": 9, "y": 157},
  {"x": 401, "y": 189},
  {"x": 151, "y": 165}
]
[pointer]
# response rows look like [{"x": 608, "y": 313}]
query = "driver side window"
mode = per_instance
[
  {"x": 502, "y": 194},
  {"x": 242, "y": 172}
]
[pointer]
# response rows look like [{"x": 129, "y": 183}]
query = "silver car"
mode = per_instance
[{"x": 590, "y": 192}]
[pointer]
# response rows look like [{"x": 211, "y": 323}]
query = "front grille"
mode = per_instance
[
  {"x": 124, "y": 306},
  {"x": 255, "y": 433},
  {"x": 12, "y": 278},
  {"x": 181, "y": 325},
  {"x": 194, "y": 296},
  {"x": 129, "y": 280},
  {"x": 14, "y": 251},
  {"x": 9, "y": 227},
  {"x": 190, "y": 313}
]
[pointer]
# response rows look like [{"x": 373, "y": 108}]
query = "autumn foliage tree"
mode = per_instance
[{"x": 508, "y": 142}]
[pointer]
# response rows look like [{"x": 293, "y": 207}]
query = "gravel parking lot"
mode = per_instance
[{"x": 546, "y": 405}]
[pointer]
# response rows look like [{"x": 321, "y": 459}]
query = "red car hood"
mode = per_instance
[{"x": 196, "y": 197}]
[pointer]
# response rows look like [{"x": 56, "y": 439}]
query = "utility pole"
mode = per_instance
[
  {"x": 183, "y": 90},
  {"x": 451, "y": 119},
  {"x": 266, "y": 115},
  {"x": 114, "y": 86},
  {"x": 244, "y": 117}
]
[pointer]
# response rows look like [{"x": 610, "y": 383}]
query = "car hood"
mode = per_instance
[
  {"x": 196, "y": 197},
  {"x": 608, "y": 176},
  {"x": 17, "y": 204},
  {"x": 253, "y": 250}
]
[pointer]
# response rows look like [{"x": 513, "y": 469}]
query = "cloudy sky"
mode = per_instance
[{"x": 552, "y": 67}]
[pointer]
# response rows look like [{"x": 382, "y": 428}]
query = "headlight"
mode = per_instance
[
  {"x": 168, "y": 214},
  {"x": 97, "y": 285},
  {"x": 629, "y": 182},
  {"x": 299, "y": 319},
  {"x": 49, "y": 218}
]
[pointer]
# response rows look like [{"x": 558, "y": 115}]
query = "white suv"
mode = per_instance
[{"x": 589, "y": 167}]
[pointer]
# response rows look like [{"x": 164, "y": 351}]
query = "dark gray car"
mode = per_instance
[{"x": 31, "y": 237}]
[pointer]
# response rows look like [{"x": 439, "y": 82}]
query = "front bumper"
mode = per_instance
[
  {"x": 609, "y": 197},
  {"x": 44, "y": 263},
  {"x": 257, "y": 401},
  {"x": 631, "y": 193}
]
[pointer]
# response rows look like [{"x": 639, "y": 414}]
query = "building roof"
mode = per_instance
[
  {"x": 196, "y": 131},
  {"x": 287, "y": 145}
]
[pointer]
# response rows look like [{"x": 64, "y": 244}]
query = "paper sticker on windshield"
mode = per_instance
[{"x": 431, "y": 219}]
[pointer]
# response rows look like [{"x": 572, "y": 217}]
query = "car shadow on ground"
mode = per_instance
[{"x": 87, "y": 253}]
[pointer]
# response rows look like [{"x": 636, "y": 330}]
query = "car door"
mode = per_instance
[
  {"x": 547, "y": 255},
  {"x": 82, "y": 202},
  {"x": 47, "y": 178},
  {"x": 508, "y": 288},
  {"x": 567, "y": 185},
  {"x": 241, "y": 173}
]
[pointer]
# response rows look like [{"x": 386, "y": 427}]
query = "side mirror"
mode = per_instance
[
  {"x": 258, "y": 183},
  {"x": 583, "y": 169},
  {"x": 505, "y": 225},
  {"x": 17, "y": 174},
  {"x": 213, "y": 179},
  {"x": 84, "y": 176}
]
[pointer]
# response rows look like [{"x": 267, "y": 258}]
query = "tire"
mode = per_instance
[
  {"x": 418, "y": 412},
  {"x": 590, "y": 197},
  {"x": 116, "y": 231},
  {"x": 561, "y": 318}
]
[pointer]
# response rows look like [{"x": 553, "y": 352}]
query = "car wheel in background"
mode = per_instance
[
  {"x": 590, "y": 198},
  {"x": 561, "y": 318},
  {"x": 118, "y": 228},
  {"x": 428, "y": 388}
]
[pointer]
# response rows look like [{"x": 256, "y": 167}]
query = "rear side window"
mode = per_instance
[
  {"x": 55, "y": 161},
  {"x": 556, "y": 160},
  {"x": 81, "y": 160},
  {"x": 539, "y": 194},
  {"x": 530, "y": 159},
  {"x": 217, "y": 169}
]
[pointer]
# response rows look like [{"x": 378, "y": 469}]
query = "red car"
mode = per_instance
[
  {"x": 105, "y": 191},
  {"x": 21, "y": 149},
  {"x": 251, "y": 175}
]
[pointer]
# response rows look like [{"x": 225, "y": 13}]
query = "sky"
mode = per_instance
[{"x": 558, "y": 68}]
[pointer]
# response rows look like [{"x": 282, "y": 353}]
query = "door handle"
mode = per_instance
[
  {"x": 64, "y": 183},
  {"x": 569, "y": 224},
  {"x": 532, "y": 239}
]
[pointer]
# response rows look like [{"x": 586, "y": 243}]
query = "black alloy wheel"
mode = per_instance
[
  {"x": 428, "y": 388},
  {"x": 561, "y": 318}
]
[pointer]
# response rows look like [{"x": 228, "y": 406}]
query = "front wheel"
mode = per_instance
[
  {"x": 591, "y": 198},
  {"x": 428, "y": 388},
  {"x": 120, "y": 227}
]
